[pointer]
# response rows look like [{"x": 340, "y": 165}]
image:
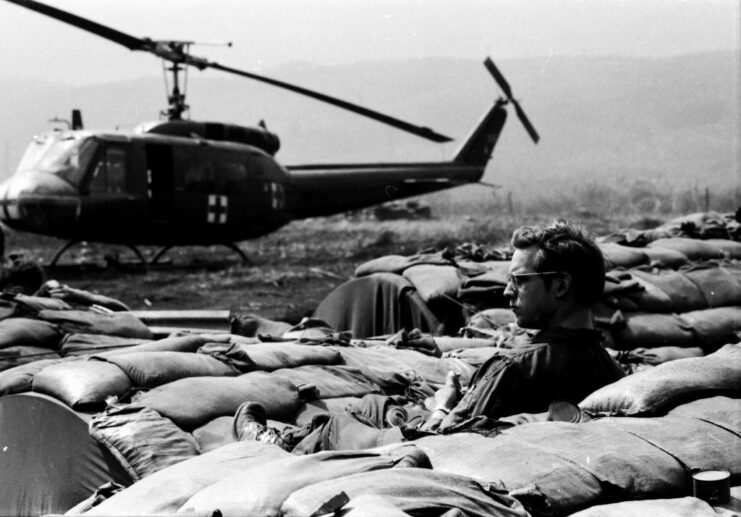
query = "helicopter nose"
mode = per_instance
[
  {"x": 34, "y": 198},
  {"x": 10, "y": 193}
]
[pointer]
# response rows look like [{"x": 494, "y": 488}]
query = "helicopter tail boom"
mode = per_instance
[{"x": 478, "y": 147}]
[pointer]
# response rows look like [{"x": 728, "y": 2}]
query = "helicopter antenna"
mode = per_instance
[{"x": 59, "y": 120}]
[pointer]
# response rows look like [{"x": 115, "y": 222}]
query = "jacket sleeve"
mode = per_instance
[{"x": 490, "y": 393}]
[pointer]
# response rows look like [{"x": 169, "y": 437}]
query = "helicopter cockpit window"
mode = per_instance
[
  {"x": 109, "y": 172},
  {"x": 66, "y": 156}
]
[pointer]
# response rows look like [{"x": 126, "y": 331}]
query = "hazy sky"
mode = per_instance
[{"x": 269, "y": 33}]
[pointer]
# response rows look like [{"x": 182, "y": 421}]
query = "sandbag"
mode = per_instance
[
  {"x": 274, "y": 356},
  {"x": 271, "y": 483},
  {"x": 214, "y": 434},
  {"x": 9, "y": 309},
  {"x": 374, "y": 358},
  {"x": 653, "y": 330},
  {"x": 179, "y": 343},
  {"x": 685, "y": 295},
  {"x": 693, "y": 249},
  {"x": 434, "y": 282},
  {"x": 487, "y": 289},
  {"x": 415, "y": 491},
  {"x": 617, "y": 256},
  {"x": 715, "y": 327},
  {"x": 720, "y": 286},
  {"x": 556, "y": 468},
  {"x": 13, "y": 356},
  {"x": 398, "y": 263},
  {"x": 731, "y": 249},
  {"x": 85, "y": 344},
  {"x": 492, "y": 319},
  {"x": 679, "y": 507},
  {"x": 141, "y": 439},
  {"x": 331, "y": 381},
  {"x": 194, "y": 401},
  {"x": 372, "y": 506},
  {"x": 645, "y": 297},
  {"x": 654, "y": 391},
  {"x": 92, "y": 322},
  {"x": 391, "y": 375},
  {"x": 29, "y": 332},
  {"x": 152, "y": 369},
  {"x": 722, "y": 411},
  {"x": 665, "y": 258},
  {"x": 698, "y": 446},
  {"x": 20, "y": 378},
  {"x": 82, "y": 385},
  {"x": 473, "y": 356},
  {"x": 164, "y": 491}
]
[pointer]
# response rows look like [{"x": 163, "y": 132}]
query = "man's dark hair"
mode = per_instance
[{"x": 564, "y": 246}]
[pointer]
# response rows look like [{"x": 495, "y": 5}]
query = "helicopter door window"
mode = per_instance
[
  {"x": 109, "y": 172},
  {"x": 214, "y": 173}
]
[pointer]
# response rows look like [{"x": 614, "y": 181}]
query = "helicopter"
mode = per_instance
[{"x": 180, "y": 182}]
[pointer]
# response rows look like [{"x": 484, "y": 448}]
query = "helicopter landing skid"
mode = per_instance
[
  {"x": 61, "y": 251},
  {"x": 232, "y": 246},
  {"x": 236, "y": 249},
  {"x": 69, "y": 244}
]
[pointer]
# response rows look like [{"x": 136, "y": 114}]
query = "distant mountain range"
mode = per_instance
[{"x": 601, "y": 119}]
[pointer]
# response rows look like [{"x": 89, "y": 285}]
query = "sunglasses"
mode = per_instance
[{"x": 515, "y": 279}]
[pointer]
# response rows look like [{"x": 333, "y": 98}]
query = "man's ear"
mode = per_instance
[{"x": 562, "y": 285}]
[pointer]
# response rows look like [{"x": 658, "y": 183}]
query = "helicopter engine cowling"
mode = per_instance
[{"x": 255, "y": 136}]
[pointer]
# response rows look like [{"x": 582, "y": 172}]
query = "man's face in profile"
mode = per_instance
[{"x": 530, "y": 293}]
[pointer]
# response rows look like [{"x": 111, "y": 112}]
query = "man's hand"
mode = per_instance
[
  {"x": 448, "y": 396},
  {"x": 445, "y": 400}
]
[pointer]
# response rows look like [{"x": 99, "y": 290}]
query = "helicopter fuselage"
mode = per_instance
[
  {"x": 146, "y": 189},
  {"x": 150, "y": 188}
]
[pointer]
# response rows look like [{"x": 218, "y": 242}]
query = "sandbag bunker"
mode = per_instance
[{"x": 101, "y": 416}]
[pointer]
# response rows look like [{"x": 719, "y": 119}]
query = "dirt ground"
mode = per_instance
[{"x": 290, "y": 272}]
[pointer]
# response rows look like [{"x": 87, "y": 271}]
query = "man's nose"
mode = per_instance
[{"x": 509, "y": 292}]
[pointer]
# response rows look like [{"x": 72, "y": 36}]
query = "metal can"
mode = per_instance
[{"x": 713, "y": 486}]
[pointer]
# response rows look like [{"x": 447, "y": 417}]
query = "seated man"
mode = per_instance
[{"x": 556, "y": 275}]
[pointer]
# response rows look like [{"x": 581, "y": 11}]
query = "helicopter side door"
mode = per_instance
[
  {"x": 108, "y": 204},
  {"x": 211, "y": 190}
]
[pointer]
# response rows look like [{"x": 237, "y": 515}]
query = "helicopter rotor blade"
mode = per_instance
[
  {"x": 173, "y": 51},
  {"x": 423, "y": 132},
  {"x": 130, "y": 42},
  {"x": 526, "y": 122}
]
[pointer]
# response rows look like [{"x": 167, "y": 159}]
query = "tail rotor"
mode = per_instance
[{"x": 504, "y": 85}]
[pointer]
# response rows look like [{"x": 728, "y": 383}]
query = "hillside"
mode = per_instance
[{"x": 606, "y": 120}]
